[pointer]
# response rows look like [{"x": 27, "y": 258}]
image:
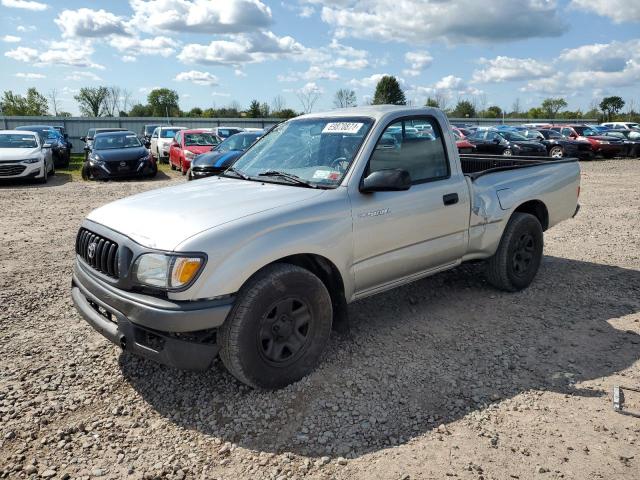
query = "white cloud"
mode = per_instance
[
  {"x": 501, "y": 69},
  {"x": 605, "y": 57},
  {"x": 86, "y": 22},
  {"x": 254, "y": 48},
  {"x": 30, "y": 76},
  {"x": 311, "y": 87},
  {"x": 11, "y": 39},
  {"x": 133, "y": 46},
  {"x": 239, "y": 73},
  {"x": 66, "y": 53},
  {"x": 372, "y": 80},
  {"x": 25, "y": 4},
  {"x": 418, "y": 61},
  {"x": 220, "y": 94},
  {"x": 450, "y": 86},
  {"x": 455, "y": 21},
  {"x": 80, "y": 76},
  {"x": 197, "y": 77},
  {"x": 200, "y": 16},
  {"x": 617, "y": 10},
  {"x": 129, "y": 59},
  {"x": 313, "y": 73},
  {"x": 27, "y": 28}
]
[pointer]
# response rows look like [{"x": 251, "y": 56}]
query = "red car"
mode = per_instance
[
  {"x": 464, "y": 146},
  {"x": 600, "y": 144},
  {"x": 187, "y": 144}
]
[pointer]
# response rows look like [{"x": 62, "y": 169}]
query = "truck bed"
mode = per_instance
[{"x": 474, "y": 166}]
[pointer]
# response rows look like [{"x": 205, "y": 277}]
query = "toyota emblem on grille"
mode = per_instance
[
  {"x": 123, "y": 164},
  {"x": 91, "y": 251}
]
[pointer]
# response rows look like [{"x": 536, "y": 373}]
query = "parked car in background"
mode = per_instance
[
  {"x": 23, "y": 154},
  {"x": 88, "y": 139},
  {"x": 226, "y": 132},
  {"x": 256, "y": 265},
  {"x": 621, "y": 125},
  {"x": 161, "y": 139},
  {"x": 559, "y": 146},
  {"x": 187, "y": 145},
  {"x": 118, "y": 155},
  {"x": 63, "y": 131},
  {"x": 608, "y": 147},
  {"x": 630, "y": 139},
  {"x": 147, "y": 131},
  {"x": 222, "y": 156},
  {"x": 464, "y": 146},
  {"x": 505, "y": 142},
  {"x": 60, "y": 148}
]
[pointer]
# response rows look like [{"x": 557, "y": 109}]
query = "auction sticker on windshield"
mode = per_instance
[{"x": 342, "y": 127}]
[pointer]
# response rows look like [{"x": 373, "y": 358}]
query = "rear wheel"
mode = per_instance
[
  {"x": 507, "y": 152},
  {"x": 556, "y": 152},
  {"x": 516, "y": 262},
  {"x": 278, "y": 328}
]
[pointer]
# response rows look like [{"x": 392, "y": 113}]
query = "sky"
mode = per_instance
[{"x": 214, "y": 52}]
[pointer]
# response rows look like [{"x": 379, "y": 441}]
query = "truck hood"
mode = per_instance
[
  {"x": 166, "y": 217},
  {"x": 7, "y": 154}
]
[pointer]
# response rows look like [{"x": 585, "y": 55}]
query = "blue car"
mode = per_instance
[{"x": 222, "y": 156}]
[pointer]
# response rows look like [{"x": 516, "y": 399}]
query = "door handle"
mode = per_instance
[{"x": 450, "y": 199}]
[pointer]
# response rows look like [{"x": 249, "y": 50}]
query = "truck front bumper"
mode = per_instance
[{"x": 177, "y": 334}]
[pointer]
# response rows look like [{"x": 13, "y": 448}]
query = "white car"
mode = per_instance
[
  {"x": 621, "y": 125},
  {"x": 161, "y": 141},
  {"x": 24, "y": 155}
]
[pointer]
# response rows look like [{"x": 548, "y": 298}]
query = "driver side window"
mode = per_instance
[
  {"x": 155, "y": 133},
  {"x": 419, "y": 152}
]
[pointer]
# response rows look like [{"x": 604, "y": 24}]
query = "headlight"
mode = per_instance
[
  {"x": 31, "y": 160},
  {"x": 169, "y": 272},
  {"x": 144, "y": 157},
  {"x": 189, "y": 154},
  {"x": 95, "y": 158}
]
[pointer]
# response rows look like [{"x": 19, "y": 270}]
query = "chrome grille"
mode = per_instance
[{"x": 11, "y": 170}]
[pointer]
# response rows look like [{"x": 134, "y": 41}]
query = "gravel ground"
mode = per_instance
[{"x": 442, "y": 378}]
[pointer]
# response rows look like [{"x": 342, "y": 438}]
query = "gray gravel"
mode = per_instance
[{"x": 444, "y": 377}]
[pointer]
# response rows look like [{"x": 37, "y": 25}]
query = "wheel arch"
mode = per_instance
[{"x": 538, "y": 209}]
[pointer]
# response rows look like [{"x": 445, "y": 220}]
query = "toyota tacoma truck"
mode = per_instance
[{"x": 323, "y": 210}]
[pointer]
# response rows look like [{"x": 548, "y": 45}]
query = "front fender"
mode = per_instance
[{"x": 238, "y": 250}]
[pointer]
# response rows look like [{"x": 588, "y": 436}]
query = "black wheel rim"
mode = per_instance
[
  {"x": 523, "y": 254},
  {"x": 285, "y": 331}
]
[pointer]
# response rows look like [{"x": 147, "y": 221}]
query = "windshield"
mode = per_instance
[
  {"x": 197, "y": 139},
  {"x": 148, "y": 130},
  {"x": 239, "y": 141},
  {"x": 44, "y": 132},
  {"x": 513, "y": 137},
  {"x": 227, "y": 132},
  {"x": 169, "y": 133},
  {"x": 17, "y": 140},
  {"x": 585, "y": 131},
  {"x": 111, "y": 142},
  {"x": 318, "y": 150}
]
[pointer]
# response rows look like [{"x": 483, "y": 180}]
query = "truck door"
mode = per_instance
[{"x": 402, "y": 234}]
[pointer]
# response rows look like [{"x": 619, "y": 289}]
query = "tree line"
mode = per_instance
[{"x": 105, "y": 101}]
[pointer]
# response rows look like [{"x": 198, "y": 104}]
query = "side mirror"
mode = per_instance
[
  {"x": 147, "y": 144},
  {"x": 175, "y": 144},
  {"x": 84, "y": 139},
  {"x": 392, "y": 180},
  {"x": 66, "y": 136}
]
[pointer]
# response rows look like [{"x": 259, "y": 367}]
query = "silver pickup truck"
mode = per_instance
[{"x": 258, "y": 263}]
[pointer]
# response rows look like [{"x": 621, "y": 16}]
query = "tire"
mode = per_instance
[
  {"x": 189, "y": 177},
  {"x": 154, "y": 171},
  {"x": 45, "y": 176},
  {"x": 516, "y": 262},
  {"x": 86, "y": 171},
  {"x": 556, "y": 152},
  {"x": 53, "y": 169},
  {"x": 263, "y": 347},
  {"x": 171, "y": 165},
  {"x": 507, "y": 152},
  {"x": 182, "y": 170},
  {"x": 608, "y": 156}
]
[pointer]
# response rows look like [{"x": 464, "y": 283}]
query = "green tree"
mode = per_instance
[
  {"x": 493, "y": 112},
  {"x": 33, "y": 104},
  {"x": 610, "y": 106},
  {"x": 464, "y": 109},
  {"x": 91, "y": 101},
  {"x": 195, "y": 112},
  {"x": 536, "y": 112},
  {"x": 388, "y": 92},
  {"x": 551, "y": 106},
  {"x": 164, "y": 102},
  {"x": 140, "y": 110},
  {"x": 432, "y": 102},
  {"x": 254, "y": 109},
  {"x": 285, "y": 113},
  {"x": 64, "y": 114},
  {"x": 265, "y": 110}
]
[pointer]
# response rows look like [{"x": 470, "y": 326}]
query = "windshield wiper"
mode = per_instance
[
  {"x": 288, "y": 176},
  {"x": 240, "y": 173}
]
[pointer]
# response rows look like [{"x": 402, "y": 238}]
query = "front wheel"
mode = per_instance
[
  {"x": 507, "y": 152},
  {"x": 556, "y": 152},
  {"x": 516, "y": 262},
  {"x": 278, "y": 327}
]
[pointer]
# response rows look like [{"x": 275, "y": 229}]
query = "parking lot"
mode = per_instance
[{"x": 446, "y": 377}]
